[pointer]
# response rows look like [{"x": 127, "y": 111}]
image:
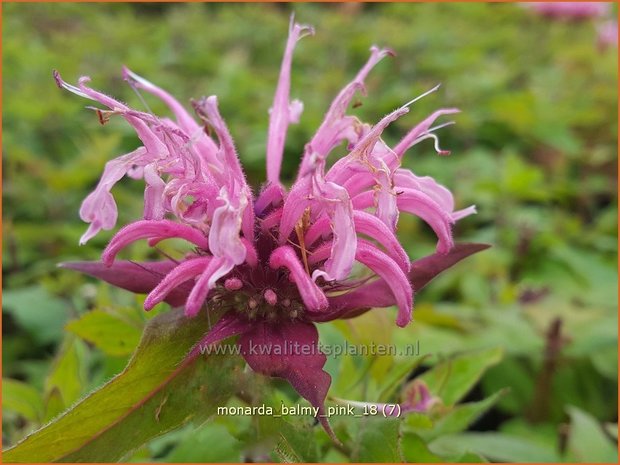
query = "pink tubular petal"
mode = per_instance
[
  {"x": 224, "y": 238},
  {"x": 367, "y": 143},
  {"x": 437, "y": 192},
  {"x": 291, "y": 351},
  {"x": 140, "y": 278},
  {"x": 385, "y": 198},
  {"x": 237, "y": 193},
  {"x": 283, "y": 112},
  {"x": 370, "y": 225},
  {"x": 251, "y": 256},
  {"x": 271, "y": 196},
  {"x": 153, "y": 194},
  {"x": 272, "y": 220},
  {"x": 186, "y": 122},
  {"x": 248, "y": 218},
  {"x": 187, "y": 270},
  {"x": 420, "y": 204},
  {"x": 320, "y": 229},
  {"x": 334, "y": 127},
  {"x": 363, "y": 200},
  {"x": 311, "y": 294},
  {"x": 145, "y": 229},
  {"x": 340, "y": 262},
  {"x": 234, "y": 177},
  {"x": 152, "y": 143},
  {"x": 99, "y": 207},
  {"x": 216, "y": 268},
  {"x": 397, "y": 280},
  {"x": 410, "y": 138},
  {"x": 293, "y": 209},
  {"x": 393, "y": 287},
  {"x": 460, "y": 214}
]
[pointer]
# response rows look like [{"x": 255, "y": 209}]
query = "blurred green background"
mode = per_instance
[{"x": 535, "y": 148}]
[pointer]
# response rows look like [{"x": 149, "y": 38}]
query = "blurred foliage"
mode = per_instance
[{"x": 534, "y": 149}]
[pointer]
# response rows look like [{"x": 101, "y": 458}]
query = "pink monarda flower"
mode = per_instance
[
  {"x": 276, "y": 263},
  {"x": 570, "y": 10},
  {"x": 607, "y": 34}
]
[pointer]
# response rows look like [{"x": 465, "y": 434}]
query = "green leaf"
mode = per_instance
[
  {"x": 22, "y": 399},
  {"x": 54, "y": 405},
  {"x": 378, "y": 440},
  {"x": 153, "y": 395},
  {"x": 415, "y": 450},
  {"x": 460, "y": 417},
  {"x": 66, "y": 378},
  {"x": 496, "y": 447},
  {"x": 587, "y": 441},
  {"x": 451, "y": 380},
  {"x": 210, "y": 443},
  {"x": 37, "y": 312},
  {"x": 110, "y": 333}
]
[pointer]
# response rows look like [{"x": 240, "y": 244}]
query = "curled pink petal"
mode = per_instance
[
  {"x": 270, "y": 197},
  {"x": 367, "y": 224},
  {"x": 251, "y": 256},
  {"x": 410, "y": 138},
  {"x": 395, "y": 278},
  {"x": 371, "y": 226},
  {"x": 145, "y": 229},
  {"x": 340, "y": 262},
  {"x": 216, "y": 268},
  {"x": 312, "y": 296},
  {"x": 99, "y": 208},
  {"x": 272, "y": 220},
  {"x": 440, "y": 194},
  {"x": 185, "y": 271},
  {"x": 419, "y": 204},
  {"x": 153, "y": 194},
  {"x": 224, "y": 239},
  {"x": 292, "y": 211},
  {"x": 151, "y": 142}
]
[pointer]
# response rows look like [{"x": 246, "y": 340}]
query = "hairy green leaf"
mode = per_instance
[{"x": 157, "y": 392}]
